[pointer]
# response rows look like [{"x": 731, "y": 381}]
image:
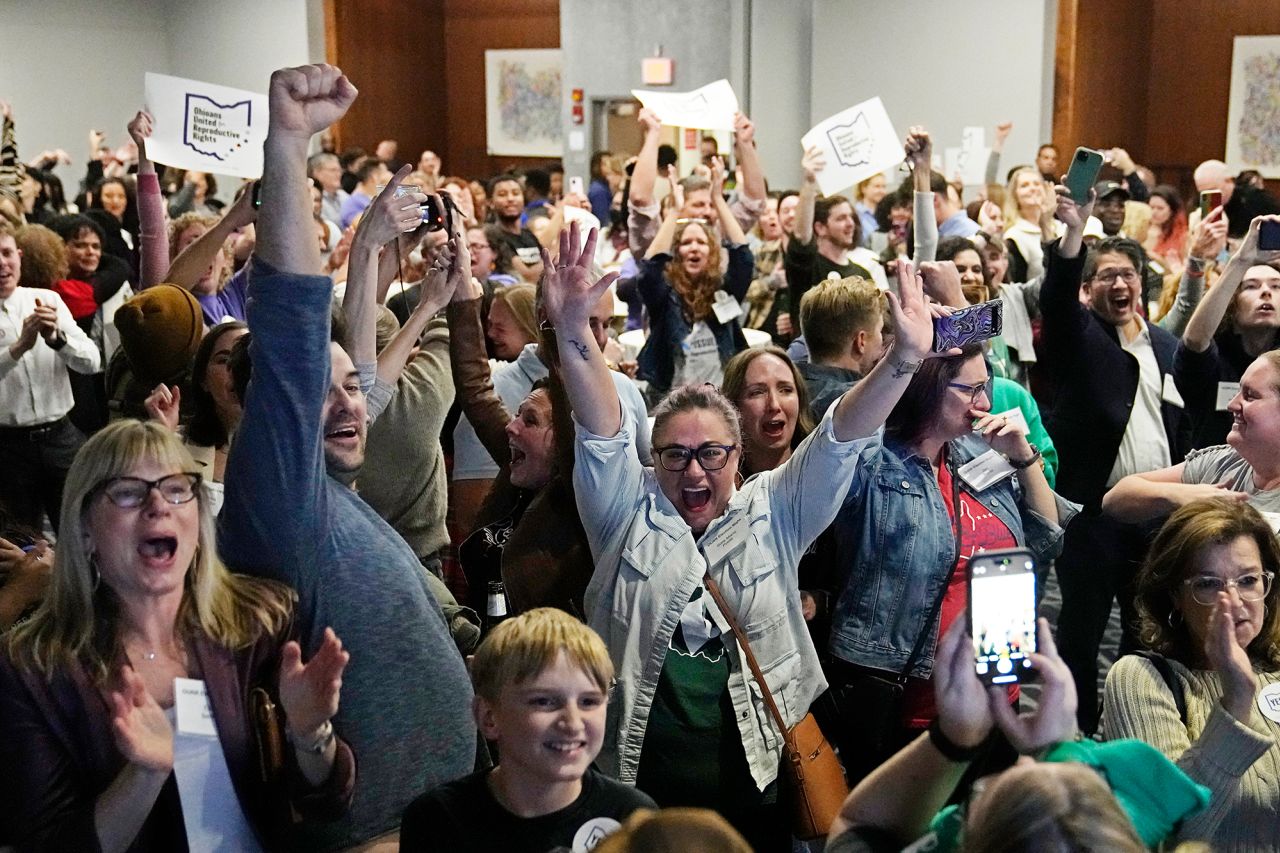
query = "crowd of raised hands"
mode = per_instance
[{"x": 502, "y": 513}]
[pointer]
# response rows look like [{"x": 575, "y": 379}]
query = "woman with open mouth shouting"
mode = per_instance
[
  {"x": 144, "y": 647},
  {"x": 688, "y": 725},
  {"x": 772, "y": 400}
]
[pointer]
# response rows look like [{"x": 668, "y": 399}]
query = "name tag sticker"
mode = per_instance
[
  {"x": 1017, "y": 418},
  {"x": 1273, "y": 519},
  {"x": 985, "y": 471},
  {"x": 726, "y": 308},
  {"x": 191, "y": 704},
  {"x": 1226, "y": 392},
  {"x": 1169, "y": 393}
]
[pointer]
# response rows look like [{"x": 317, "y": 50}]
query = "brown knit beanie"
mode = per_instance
[{"x": 160, "y": 330}]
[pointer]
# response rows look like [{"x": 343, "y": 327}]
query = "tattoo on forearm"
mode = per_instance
[{"x": 581, "y": 348}]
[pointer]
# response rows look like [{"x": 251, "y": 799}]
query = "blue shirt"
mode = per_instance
[{"x": 958, "y": 224}]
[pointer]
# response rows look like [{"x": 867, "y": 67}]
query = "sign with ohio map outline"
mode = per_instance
[
  {"x": 206, "y": 127},
  {"x": 858, "y": 142}
]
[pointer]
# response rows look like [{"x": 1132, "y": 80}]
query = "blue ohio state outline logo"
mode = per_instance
[{"x": 218, "y": 129}]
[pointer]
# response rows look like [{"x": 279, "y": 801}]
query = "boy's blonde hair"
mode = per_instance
[{"x": 525, "y": 645}]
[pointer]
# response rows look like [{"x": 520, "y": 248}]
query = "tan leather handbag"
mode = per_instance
[{"x": 813, "y": 780}]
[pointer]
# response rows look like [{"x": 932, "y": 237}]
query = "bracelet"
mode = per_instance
[
  {"x": 59, "y": 341},
  {"x": 1035, "y": 457},
  {"x": 317, "y": 746},
  {"x": 951, "y": 750}
]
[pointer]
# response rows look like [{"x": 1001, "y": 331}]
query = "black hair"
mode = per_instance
[
  {"x": 205, "y": 428},
  {"x": 537, "y": 181},
  {"x": 667, "y": 156},
  {"x": 69, "y": 225},
  {"x": 367, "y": 168},
  {"x": 1114, "y": 246},
  {"x": 500, "y": 179}
]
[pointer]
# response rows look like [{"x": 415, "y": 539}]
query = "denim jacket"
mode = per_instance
[
  {"x": 667, "y": 324},
  {"x": 895, "y": 542},
  {"x": 648, "y": 565}
]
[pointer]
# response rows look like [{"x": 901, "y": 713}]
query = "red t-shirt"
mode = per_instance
[{"x": 980, "y": 530}]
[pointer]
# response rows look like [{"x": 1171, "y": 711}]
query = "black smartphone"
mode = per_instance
[
  {"x": 435, "y": 217},
  {"x": 1269, "y": 235},
  {"x": 1002, "y": 613},
  {"x": 1082, "y": 174},
  {"x": 257, "y": 194},
  {"x": 968, "y": 325}
]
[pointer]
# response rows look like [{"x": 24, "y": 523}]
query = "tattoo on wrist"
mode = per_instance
[{"x": 581, "y": 348}]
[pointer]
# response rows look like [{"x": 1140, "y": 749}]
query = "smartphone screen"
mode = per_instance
[
  {"x": 1083, "y": 174},
  {"x": 1209, "y": 199},
  {"x": 1268, "y": 235},
  {"x": 968, "y": 325},
  {"x": 1002, "y": 613}
]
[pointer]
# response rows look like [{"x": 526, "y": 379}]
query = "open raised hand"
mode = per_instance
[
  {"x": 307, "y": 99},
  {"x": 912, "y": 317},
  {"x": 569, "y": 291},
  {"x": 142, "y": 731},
  {"x": 310, "y": 692},
  {"x": 1229, "y": 659}
]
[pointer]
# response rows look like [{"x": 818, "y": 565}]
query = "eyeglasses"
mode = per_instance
[
  {"x": 1250, "y": 587},
  {"x": 712, "y": 457},
  {"x": 131, "y": 492},
  {"x": 975, "y": 391},
  {"x": 1110, "y": 276}
]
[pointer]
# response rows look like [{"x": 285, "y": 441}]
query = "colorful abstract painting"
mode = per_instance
[{"x": 523, "y": 103}]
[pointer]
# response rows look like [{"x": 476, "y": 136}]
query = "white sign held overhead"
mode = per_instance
[
  {"x": 858, "y": 142},
  {"x": 709, "y": 108},
  {"x": 206, "y": 127}
]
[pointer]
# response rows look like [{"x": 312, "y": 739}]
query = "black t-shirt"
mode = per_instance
[
  {"x": 806, "y": 266},
  {"x": 464, "y": 815},
  {"x": 524, "y": 245}
]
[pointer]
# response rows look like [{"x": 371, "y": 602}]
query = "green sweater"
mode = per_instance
[{"x": 1007, "y": 394}]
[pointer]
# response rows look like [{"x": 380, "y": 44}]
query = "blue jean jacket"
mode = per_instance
[{"x": 896, "y": 545}]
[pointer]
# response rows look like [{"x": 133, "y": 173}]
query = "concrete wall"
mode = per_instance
[{"x": 69, "y": 65}]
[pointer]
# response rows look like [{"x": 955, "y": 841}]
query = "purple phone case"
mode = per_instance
[{"x": 968, "y": 325}]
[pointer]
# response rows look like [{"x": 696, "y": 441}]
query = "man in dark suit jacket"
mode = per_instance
[{"x": 1116, "y": 410}]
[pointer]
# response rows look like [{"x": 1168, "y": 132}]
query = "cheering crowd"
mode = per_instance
[{"x": 385, "y": 509}]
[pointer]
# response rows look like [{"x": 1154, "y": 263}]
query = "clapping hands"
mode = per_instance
[{"x": 309, "y": 692}]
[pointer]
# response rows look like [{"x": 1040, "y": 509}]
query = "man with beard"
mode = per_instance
[
  {"x": 291, "y": 515},
  {"x": 826, "y": 231}
]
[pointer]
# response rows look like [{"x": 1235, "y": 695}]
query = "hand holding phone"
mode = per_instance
[
  {"x": 1209, "y": 199},
  {"x": 1083, "y": 174},
  {"x": 968, "y": 325},
  {"x": 575, "y": 186},
  {"x": 1002, "y": 613},
  {"x": 1269, "y": 235}
]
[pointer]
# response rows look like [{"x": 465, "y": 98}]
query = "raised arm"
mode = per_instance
[
  {"x": 666, "y": 233},
  {"x": 1208, "y": 315},
  {"x": 1207, "y": 242},
  {"x": 918, "y": 149},
  {"x": 189, "y": 266},
  {"x": 992, "y": 175},
  {"x": 436, "y": 289},
  {"x": 645, "y": 174},
  {"x": 813, "y": 162},
  {"x": 153, "y": 251},
  {"x": 389, "y": 215},
  {"x": 744, "y": 141},
  {"x": 728, "y": 224},
  {"x": 1138, "y": 189},
  {"x": 569, "y": 295}
]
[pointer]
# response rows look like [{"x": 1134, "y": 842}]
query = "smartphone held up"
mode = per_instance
[{"x": 1002, "y": 613}]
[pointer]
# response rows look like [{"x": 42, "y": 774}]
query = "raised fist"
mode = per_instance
[{"x": 307, "y": 99}]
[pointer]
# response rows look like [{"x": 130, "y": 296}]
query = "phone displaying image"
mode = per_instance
[
  {"x": 1269, "y": 235},
  {"x": 1002, "y": 613},
  {"x": 575, "y": 186},
  {"x": 1209, "y": 199},
  {"x": 968, "y": 325},
  {"x": 1083, "y": 174}
]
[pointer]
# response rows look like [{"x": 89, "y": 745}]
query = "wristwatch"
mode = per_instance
[
  {"x": 1027, "y": 463},
  {"x": 317, "y": 746},
  {"x": 57, "y": 342}
]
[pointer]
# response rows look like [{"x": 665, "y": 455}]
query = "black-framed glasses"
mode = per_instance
[
  {"x": 974, "y": 391},
  {"x": 1109, "y": 276},
  {"x": 1251, "y": 587},
  {"x": 131, "y": 492},
  {"x": 711, "y": 456}
]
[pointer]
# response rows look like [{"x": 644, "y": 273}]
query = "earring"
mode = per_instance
[
  {"x": 1173, "y": 613},
  {"x": 94, "y": 574}
]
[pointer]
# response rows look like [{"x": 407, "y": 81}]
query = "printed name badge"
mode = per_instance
[
  {"x": 1269, "y": 702},
  {"x": 1017, "y": 418},
  {"x": 1273, "y": 519},
  {"x": 1169, "y": 393},
  {"x": 591, "y": 833},
  {"x": 726, "y": 308},
  {"x": 985, "y": 471},
  {"x": 191, "y": 705},
  {"x": 1226, "y": 392}
]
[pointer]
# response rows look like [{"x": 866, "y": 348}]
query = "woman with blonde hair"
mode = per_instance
[
  {"x": 139, "y": 613},
  {"x": 1206, "y": 602},
  {"x": 1028, "y": 214}
]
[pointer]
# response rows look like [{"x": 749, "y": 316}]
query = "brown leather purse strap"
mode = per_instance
[{"x": 714, "y": 589}]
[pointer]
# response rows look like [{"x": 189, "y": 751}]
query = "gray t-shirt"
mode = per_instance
[{"x": 1222, "y": 464}]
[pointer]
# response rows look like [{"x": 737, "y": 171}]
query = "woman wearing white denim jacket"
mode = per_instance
[{"x": 688, "y": 724}]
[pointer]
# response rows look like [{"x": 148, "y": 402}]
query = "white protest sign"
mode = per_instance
[
  {"x": 969, "y": 161},
  {"x": 206, "y": 127},
  {"x": 709, "y": 108},
  {"x": 858, "y": 143}
]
